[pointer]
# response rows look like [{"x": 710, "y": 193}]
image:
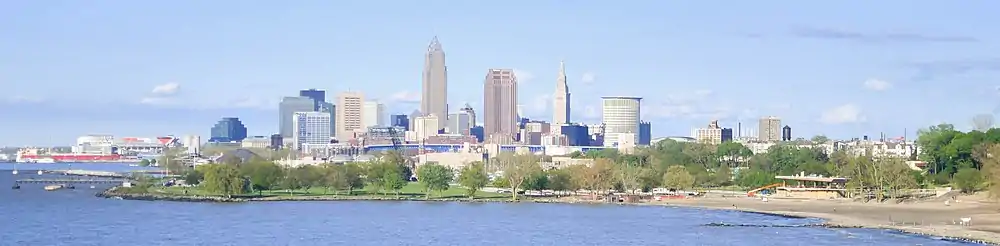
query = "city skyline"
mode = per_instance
[{"x": 178, "y": 75}]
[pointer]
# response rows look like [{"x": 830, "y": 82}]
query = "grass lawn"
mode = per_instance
[{"x": 411, "y": 189}]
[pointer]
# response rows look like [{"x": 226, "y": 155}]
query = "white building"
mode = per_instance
[
  {"x": 192, "y": 143},
  {"x": 620, "y": 115},
  {"x": 708, "y": 135},
  {"x": 375, "y": 114},
  {"x": 424, "y": 127},
  {"x": 310, "y": 128},
  {"x": 256, "y": 142}
]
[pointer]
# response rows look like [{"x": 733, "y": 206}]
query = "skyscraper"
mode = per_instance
[
  {"x": 434, "y": 94},
  {"x": 374, "y": 114},
  {"x": 472, "y": 114},
  {"x": 769, "y": 129},
  {"x": 620, "y": 116},
  {"x": 561, "y": 99},
  {"x": 500, "y": 104},
  {"x": 350, "y": 115},
  {"x": 287, "y": 107},
  {"x": 318, "y": 97}
]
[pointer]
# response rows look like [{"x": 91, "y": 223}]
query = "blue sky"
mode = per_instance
[{"x": 843, "y": 69}]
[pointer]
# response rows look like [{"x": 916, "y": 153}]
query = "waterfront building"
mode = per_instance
[
  {"x": 434, "y": 92},
  {"x": 620, "y": 115},
  {"x": 287, "y": 107},
  {"x": 310, "y": 128},
  {"x": 500, "y": 104},
  {"x": 228, "y": 129}
]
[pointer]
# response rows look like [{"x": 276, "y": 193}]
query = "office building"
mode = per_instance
[
  {"x": 413, "y": 118},
  {"x": 400, "y": 120},
  {"x": 709, "y": 135},
  {"x": 786, "y": 133},
  {"x": 477, "y": 131},
  {"x": 425, "y": 127},
  {"x": 256, "y": 142},
  {"x": 472, "y": 114},
  {"x": 769, "y": 129},
  {"x": 192, "y": 143},
  {"x": 727, "y": 135},
  {"x": 561, "y": 98},
  {"x": 287, "y": 107},
  {"x": 310, "y": 128},
  {"x": 317, "y": 96},
  {"x": 576, "y": 135},
  {"x": 374, "y": 114},
  {"x": 458, "y": 123},
  {"x": 620, "y": 115},
  {"x": 434, "y": 93},
  {"x": 645, "y": 133},
  {"x": 331, "y": 110},
  {"x": 500, "y": 103},
  {"x": 228, "y": 129},
  {"x": 277, "y": 141},
  {"x": 350, "y": 114}
]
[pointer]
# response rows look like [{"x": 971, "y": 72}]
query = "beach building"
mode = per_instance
[{"x": 806, "y": 187}]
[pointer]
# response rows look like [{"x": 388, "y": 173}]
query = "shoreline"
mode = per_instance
[{"x": 829, "y": 220}]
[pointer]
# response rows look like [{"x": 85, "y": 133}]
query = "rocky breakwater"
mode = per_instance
[{"x": 119, "y": 193}]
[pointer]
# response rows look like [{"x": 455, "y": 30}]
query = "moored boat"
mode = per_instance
[{"x": 53, "y": 187}]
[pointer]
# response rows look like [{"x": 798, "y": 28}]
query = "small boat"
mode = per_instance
[
  {"x": 133, "y": 165},
  {"x": 93, "y": 187},
  {"x": 53, "y": 187},
  {"x": 14, "y": 172}
]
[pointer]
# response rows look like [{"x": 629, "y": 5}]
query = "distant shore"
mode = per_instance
[{"x": 928, "y": 219}]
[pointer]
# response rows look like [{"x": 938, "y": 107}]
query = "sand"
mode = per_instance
[{"x": 928, "y": 218}]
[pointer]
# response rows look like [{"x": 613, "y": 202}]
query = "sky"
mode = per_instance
[{"x": 841, "y": 69}]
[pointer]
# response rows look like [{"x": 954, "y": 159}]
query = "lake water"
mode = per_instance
[{"x": 33, "y": 216}]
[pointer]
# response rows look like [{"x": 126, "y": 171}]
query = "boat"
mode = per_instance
[
  {"x": 133, "y": 165},
  {"x": 53, "y": 187}
]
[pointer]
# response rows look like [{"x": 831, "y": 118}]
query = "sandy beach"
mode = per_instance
[{"x": 928, "y": 218}]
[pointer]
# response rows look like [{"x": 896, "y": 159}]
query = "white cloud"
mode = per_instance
[
  {"x": 405, "y": 97},
  {"x": 158, "y": 101},
  {"x": 540, "y": 105},
  {"x": 843, "y": 114},
  {"x": 687, "y": 105},
  {"x": 523, "y": 76},
  {"x": 877, "y": 85},
  {"x": 166, "y": 89},
  {"x": 588, "y": 78}
]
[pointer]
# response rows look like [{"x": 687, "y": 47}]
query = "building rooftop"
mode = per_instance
[{"x": 814, "y": 179}]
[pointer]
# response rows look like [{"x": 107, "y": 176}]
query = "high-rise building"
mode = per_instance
[
  {"x": 277, "y": 141},
  {"x": 500, "y": 104},
  {"x": 318, "y": 96},
  {"x": 350, "y": 114},
  {"x": 287, "y": 107},
  {"x": 310, "y": 128},
  {"x": 192, "y": 143},
  {"x": 229, "y": 129},
  {"x": 727, "y": 135},
  {"x": 458, "y": 123},
  {"x": 620, "y": 116},
  {"x": 434, "y": 94},
  {"x": 374, "y": 114},
  {"x": 561, "y": 99},
  {"x": 400, "y": 120},
  {"x": 331, "y": 110},
  {"x": 425, "y": 127},
  {"x": 786, "y": 133},
  {"x": 769, "y": 129},
  {"x": 576, "y": 135},
  {"x": 471, "y": 112},
  {"x": 645, "y": 133}
]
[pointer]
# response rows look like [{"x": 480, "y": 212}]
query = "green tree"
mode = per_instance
[
  {"x": 264, "y": 175},
  {"x": 753, "y": 178},
  {"x": 968, "y": 179},
  {"x": 335, "y": 177},
  {"x": 678, "y": 177},
  {"x": 628, "y": 175},
  {"x": 473, "y": 177},
  {"x": 722, "y": 176},
  {"x": 733, "y": 154},
  {"x": 538, "y": 180},
  {"x": 353, "y": 172},
  {"x": 223, "y": 179},
  {"x": 434, "y": 177},
  {"x": 517, "y": 170},
  {"x": 561, "y": 179},
  {"x": 193, "y": 177},
  {"x": 144, "y": 162}
]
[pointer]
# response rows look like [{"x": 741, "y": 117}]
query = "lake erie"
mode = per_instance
[{"x": 33, "y": 216}]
